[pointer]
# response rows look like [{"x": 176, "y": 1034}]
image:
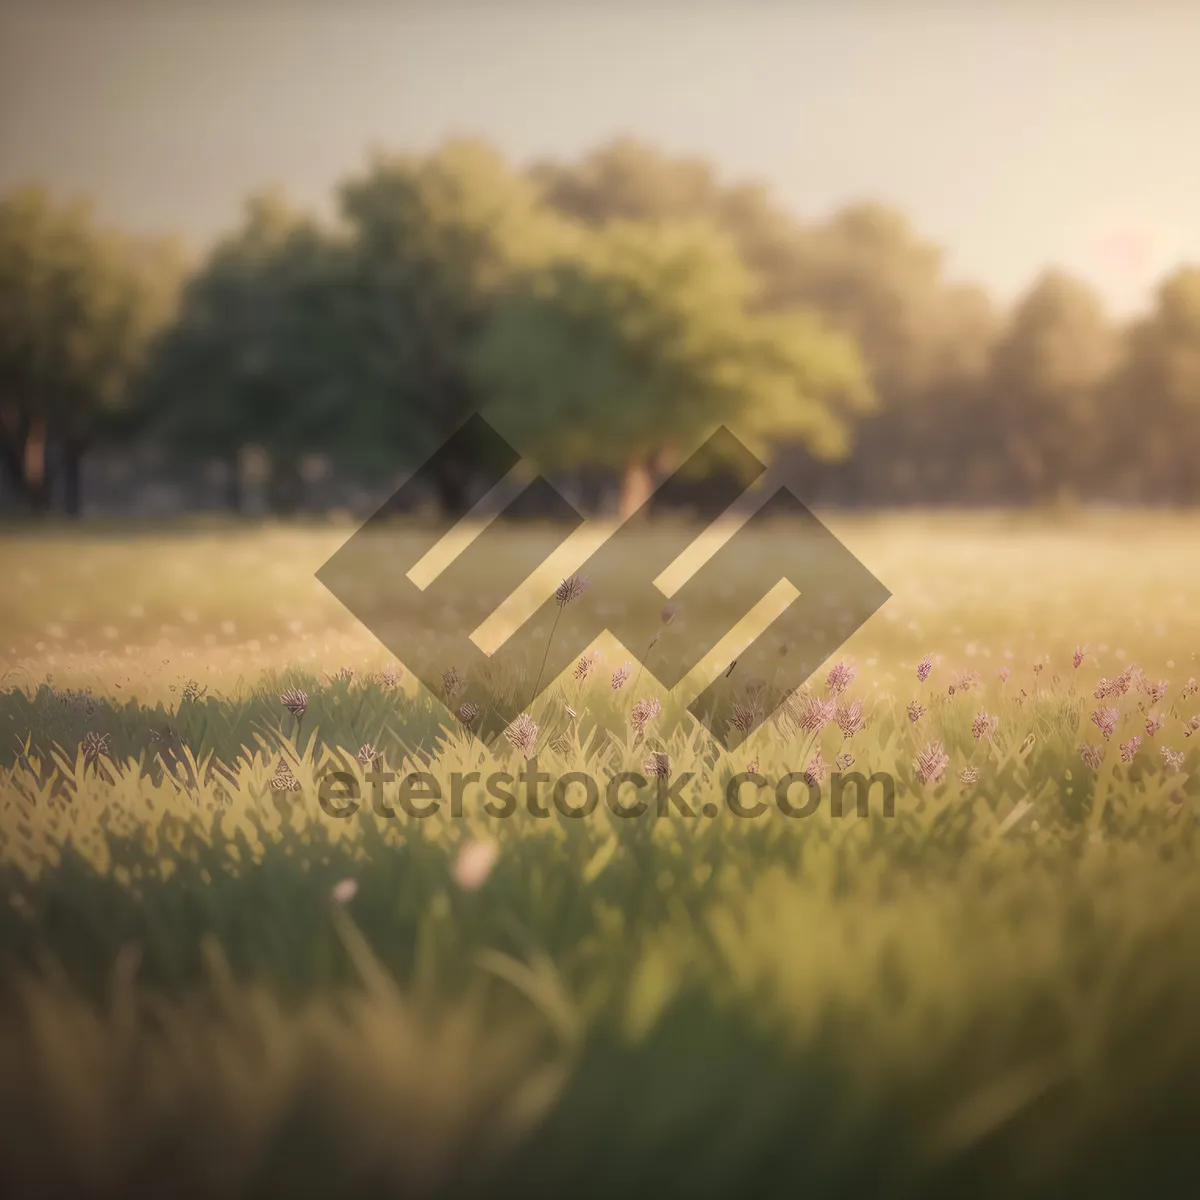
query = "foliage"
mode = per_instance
[
  {"x": 78, "y": 305},
  {"x": 646, "y": 341}
]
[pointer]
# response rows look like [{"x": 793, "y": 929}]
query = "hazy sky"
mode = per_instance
[{"x": 1016, "y": 139}]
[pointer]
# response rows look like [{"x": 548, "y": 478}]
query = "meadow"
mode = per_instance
[{"x": 208, "y": 986}]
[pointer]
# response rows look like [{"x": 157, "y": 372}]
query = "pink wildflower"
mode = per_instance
[
  {"x": 931, "y": 763},
  {"x": 1130, "y": 748},
  {"x": 840, "y": 678},
  {"x": 984, "y": 725},
  {"x": 1105, "y": 719},
  {"x": 849, "y": 718}
]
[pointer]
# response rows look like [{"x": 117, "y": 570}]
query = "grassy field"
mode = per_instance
[{"x": 209, "y": 986}]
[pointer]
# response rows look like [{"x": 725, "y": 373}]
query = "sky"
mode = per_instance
[{"x": 1016, "y": 136}]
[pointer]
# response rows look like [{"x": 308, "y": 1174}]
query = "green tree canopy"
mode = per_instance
[
  {"x": 78, "y": 306},
  {"x": 646, "y": 338},
  {"x": 354, "y": 341},
  {"x": 250, "y": 359}
]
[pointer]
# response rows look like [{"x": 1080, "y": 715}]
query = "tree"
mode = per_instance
[
  {"x": 926, "y": 341},
  {"x": 644, "y": 339},
  {"x": 252, "y": 358},
  {"x": 353, "y": 341},
  {"x": 433, "y": 242},
  {"x": 78, "y": 306},
  {"x": 629, "y": 180},
  {"x": 1040, "y": 423},
  {"x": 1153, "y": 409}
]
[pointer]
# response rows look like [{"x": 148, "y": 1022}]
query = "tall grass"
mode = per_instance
[{"x": 991, "y": 993}]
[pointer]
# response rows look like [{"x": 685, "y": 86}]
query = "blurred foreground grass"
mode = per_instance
[{"x": 210, "y": 987}]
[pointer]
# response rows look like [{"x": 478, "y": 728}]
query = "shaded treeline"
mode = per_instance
[{"x": 601, "y": 313}]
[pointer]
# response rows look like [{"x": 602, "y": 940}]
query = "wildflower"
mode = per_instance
[
  {"x": 644, "y": 711},
  {"x": 192, "y": 690},
  {"x": 844, "y": 761},
  {"x": 657, "y": 765},
  {"x": 1077, "y": 657},
  {"x": 389, "y": 677},
  {"x": 1155, "y": 692},
  {"x": 849, "y": 718},
  {"x": 295, "y": 701},
  {"x": 1192, "y": 687},
  {"x": 344, "y": 890},
  {"x": 931, "y": 763},
  {"x": 744, "y": 718},
  {"x": 752, "y": 767},
  {"x": 344, "y": 675},
  {"x": 570, "y": 589},
  {"x": 283, "y": 780},
  {"x": 94, "y": 747},
  {"x": 522, "y": 733},
  {"x": 1130, "y": 748},
  {"x": 1002, "y": 674},
  {"x": 814, "y": 714},
  {"x": 1092, "y": 756},
  {"x": 983, "y": 726},
  {"x": 1172, "y": 758},
  {"x": 473, "y": 864},
  {"x": 1191, "y": 725},
  {"x": 840, "y": 677},
  {"x": 620, "y": 676},
  {"x": 1154, "y": 722},
  {"x": 964, "y": 681},
  {"x": 367, "y": 754},
  {"x": 969, "y": 775},
  {"x": 915, "y": 711},
  {"x": 924, "y": 667},
  {"x": 584, "y": 665},
  {"x": 1107, "y": 688},
  {"x": 452, "y": 683},
  {"x": 1105, "y": 719},
  {"x": 467, "y": 712},
  {"x": 1037, "y": 668},
  {"x": 816, "y": 770}
]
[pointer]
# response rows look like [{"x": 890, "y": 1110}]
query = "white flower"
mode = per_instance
[{"x": 474, "y": 864}]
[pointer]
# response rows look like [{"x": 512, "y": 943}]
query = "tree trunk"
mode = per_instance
[
  {"x": 233, "y": 495},
  {"x": 36, "y": 474},
  {"x": 73, "y": 477},
  {"x": 286, "y": 488},
  {"x": 453, "y": 488},
  {"x": 637, "y": 485}
]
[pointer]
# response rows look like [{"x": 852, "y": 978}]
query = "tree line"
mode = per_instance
[{"x": 599, "y": 312}]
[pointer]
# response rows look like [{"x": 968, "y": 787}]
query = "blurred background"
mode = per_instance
[{"x": 266, "y": 258}]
